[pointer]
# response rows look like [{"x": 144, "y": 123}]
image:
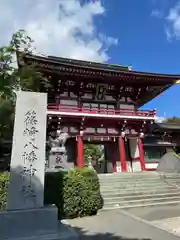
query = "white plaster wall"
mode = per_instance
[
  {"x": 133, "y": 144},
  {"x": 128, "y": 166},
  {"x": 136, "y": 166},
  {"x": 118, "y": 166},
  {"x": 134, "y": 150},
  {"x": 151, "y": 165},
  {"x": 118, "y": 169}
]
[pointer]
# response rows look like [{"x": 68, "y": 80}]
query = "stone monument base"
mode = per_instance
[
  {"x": 33, "y": 224},
  {"x": 63, "y": 165}
]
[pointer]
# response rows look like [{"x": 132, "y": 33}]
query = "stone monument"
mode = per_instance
[
  {"x": 26, "y": 216},
  {"x": 58, "y": 153},
  {"x": 26, "y": 187}
]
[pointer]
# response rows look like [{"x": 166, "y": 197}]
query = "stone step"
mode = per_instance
[
  {"x": 127, "y": 175},
  {"x": 171, "y": 179},
  {"x": 127, "y": 186},
  {"x": 143, "y": 185},
  {"x": 130, "y": 174},
  {"x": 142, "y": 196},
  {"x": 137, "y": 182},
  {"x": 141, "y": 201},
  {"x": 169, "y": 174},
  {"x": 173, "y": 183},
  {"x": 127, "y": 190},
  {"x": 137, "y": 189},
  {"x": 106, "y": 208},
  {"x": 153, "y": 179},
  {"x": 130, "y": 179},
  {"x": 124, "y": 175},
  {"x": 135, "y": 192},
  {"x": 138, "y": 185}
]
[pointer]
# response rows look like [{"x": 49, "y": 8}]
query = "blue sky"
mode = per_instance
[
  {"x": 141, "y": 33},
  {"x": 140, "y": 27}
]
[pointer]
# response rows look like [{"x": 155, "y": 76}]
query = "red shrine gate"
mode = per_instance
[
  {"x": 99, "y": 103},
  {"x": 97, "y": 126}
]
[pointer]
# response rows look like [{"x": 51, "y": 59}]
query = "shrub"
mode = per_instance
[
  {"x": 4, "y": 179},
  {"x": 76, "y": 193}
]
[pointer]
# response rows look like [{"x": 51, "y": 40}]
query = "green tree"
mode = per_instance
[
  {"x": 13, "y": 78},
  {"x": 91, "y": 150},
  {"x": 173, "y": 120}
]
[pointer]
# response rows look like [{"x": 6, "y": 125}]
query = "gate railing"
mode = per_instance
[{"x": 110, "y": 111}]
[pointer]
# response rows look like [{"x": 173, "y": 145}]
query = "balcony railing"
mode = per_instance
[{"x": 101, "y": 111}]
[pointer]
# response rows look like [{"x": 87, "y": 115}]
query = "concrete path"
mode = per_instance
[
  {"x": 170, "y": 224},
  {"x": 156, "y": 212},
  {"x": 114, "y": 225}
]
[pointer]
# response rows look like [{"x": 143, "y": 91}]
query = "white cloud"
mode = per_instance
[
  {"x": 168, "y": 34},
  {"x": 172, "y": 29},
  {"x": 59, "y": 27},
  {"x": 156, "y": 13}
]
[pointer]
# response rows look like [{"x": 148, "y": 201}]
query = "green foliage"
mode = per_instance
[
  {"x": 12, "y": 78},
  {"x": 76, "y": 193},
  {"x": 6, "y": 119},
  {"x": 175, "y": 120},
  {"x": 91, "y": 150},
  {"x": 3, "y": 190}
]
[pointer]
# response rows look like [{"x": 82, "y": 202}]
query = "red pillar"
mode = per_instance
[
  {"x": 122, "y": 154},
  {"x": 80, "y": 157},
  {"x": 141, "y": 154}
]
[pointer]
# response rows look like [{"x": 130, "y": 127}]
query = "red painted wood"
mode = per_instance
[
  {"x": 141, "y": 154},
  {"x": 122, "y": 154},
  {"x": 150, "y": 169},
  {"x": 126, "y": 112},
  {"x": 80, "y": 159}
]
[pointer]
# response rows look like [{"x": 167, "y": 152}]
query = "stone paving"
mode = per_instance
[
  {"x": 165, "y": 217},
  {"x": 170, "y": 224},
  {"x": 156, "y": 212},
  {"x": 114, "y": 225}
]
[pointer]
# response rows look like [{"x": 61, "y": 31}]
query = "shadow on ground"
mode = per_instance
[{"x": 84, "y": 235}]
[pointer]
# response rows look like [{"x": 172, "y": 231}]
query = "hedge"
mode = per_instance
[
  {"x": 3, "y": 190},
  {"x": 75, "y": 193}
]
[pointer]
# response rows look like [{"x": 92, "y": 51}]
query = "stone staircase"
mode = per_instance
[{"x": 128, "y": 190}]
